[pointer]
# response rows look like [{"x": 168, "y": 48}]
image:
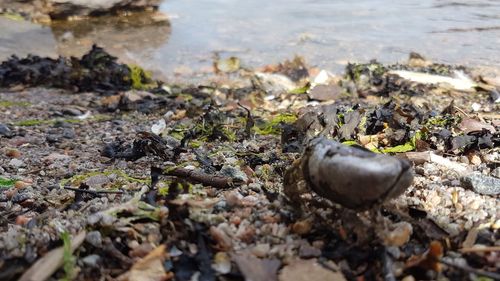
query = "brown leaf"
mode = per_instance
[
  {"x": 306, "y": 270},
  {"x": 149, "y": 268}
]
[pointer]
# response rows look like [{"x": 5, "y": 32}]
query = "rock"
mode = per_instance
[
  {"x": 94, "y": 238},
  {"x": 68, "y": 133},
  {"x": 234, "y": 173},
  {"x": 5, "y": 131},
  {"x": 481, "y": 183},
  {"x": 496, "y": 173},
  {"x": 72, "y": 112},
  {"x": 398, "y": 235},
  {"x": 16, "y": 163},
  {"x": 222, "y": 263},
  {"x": 306, "y": 252},
  {"x": 62, "y": 9},
  {"x": 91, "y": 260},
  {"x": 325, "y": 92}
]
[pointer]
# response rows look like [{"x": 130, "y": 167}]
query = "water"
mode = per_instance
[{"x": 328, "y": 33}]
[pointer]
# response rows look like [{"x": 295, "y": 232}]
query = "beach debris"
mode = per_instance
[
  {"x": 149, "y": 268},
  {"x": 460, "y": 81},
  {"x": 351, "y": 176},
  {"x": 46, "y": 266},
  {"x": 311, "y": 269},
  {"x": 97, "y": 71}
]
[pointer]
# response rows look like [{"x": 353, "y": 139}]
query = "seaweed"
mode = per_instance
[{"x": 97, "y": 71}]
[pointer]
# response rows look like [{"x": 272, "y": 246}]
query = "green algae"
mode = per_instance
[
  {"x": 123, "y": 178},
  {"x": 7, "y": 104},
  {"x": 272, "y": 127},
  {"x": 141, "y": 79}
]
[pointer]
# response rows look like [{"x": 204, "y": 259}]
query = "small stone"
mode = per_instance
[
  {"x": 68, "y": 133},
  {"x": 261, "y": 250},
  {"x": 233, "y": 198},
  {"x": 222, "y": 263},
  {"x": 302, "y": 227},
  {"x": 481, "y": 184},
  {"x": 72, "y": 112},
  {"x": 306, "y": 251},
  {"x": 21, "y": 184},
  {"x": 234, "y": 173},
  {"x": 91, "y": 260},
  {"x": 399, "y": 235},
  {"x": 13, "y": 153},
  {"x": 5, "y": 131},
  {"x": 94, "y": 238},
  {"x": 325, "y": 92},
  {"x": 496, "y": 172},
  {"x": 223, "y": 241},
  {"x": 16, "y": 163}
]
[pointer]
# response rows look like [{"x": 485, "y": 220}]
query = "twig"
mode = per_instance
[
  {"x": 200, "y": 177},
  {"x": 94, "y": 192},
  {"x": 480, "y": 249},
  {"x": 492, "y": 275}
]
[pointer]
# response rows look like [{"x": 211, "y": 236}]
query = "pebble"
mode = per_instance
[
  {"x": 13, "y": 153},
  {"x": 91, "y": 260},
  {"x": 16, "y": 163},
  {"x": 234, "y": 173},
  {"x": 261, "y": 250},
  {"x": 496, "y": 173},
  {"x": 306, "y": 251},
  {"x": 72, "y": 112},
  {"x": 94, "y": 238},
  {"x": 302, "y": 227},
  {"x": 481, "y": 184},
  {"x": 5, "y": 131}
]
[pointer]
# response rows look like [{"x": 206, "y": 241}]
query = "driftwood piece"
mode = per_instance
[
  {"x": 46, "y": 266},
  {"x": 200, "y": 177}
]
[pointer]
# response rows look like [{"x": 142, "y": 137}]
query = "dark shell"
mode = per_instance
[{"x": 352, "y": 176}]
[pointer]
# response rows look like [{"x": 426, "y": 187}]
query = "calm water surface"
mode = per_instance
[{"x": 328, "y": 33}]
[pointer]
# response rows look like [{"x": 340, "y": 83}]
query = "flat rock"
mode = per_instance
[
  {"x": 325, "y": 92},
  {"x": 481, "y": 183},
  {"x": 61, "y": 9}
]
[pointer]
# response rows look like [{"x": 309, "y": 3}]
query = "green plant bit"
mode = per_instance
[
  {"x": 7, "y": 183},
  {"x": 69, "y": 260},
  {"x": 272, "y": 127}
]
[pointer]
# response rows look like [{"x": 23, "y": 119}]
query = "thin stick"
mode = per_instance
[
  {"x": 200, "y": 177},
  {"x": 480, "y": 249},
  {"x": 94, "y": 192},
  {"x": 492, "y": 275}
]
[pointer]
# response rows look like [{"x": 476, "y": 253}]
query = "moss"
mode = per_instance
[
  {"x": 272, "y": 127},
  {"x": 76, "y": 180},
  {"x": 141, "y": 79},
  {"x": 31, "y": 122},
  {"x": 6, "y": 104},
  {"x": 13, "y": 16},
  {"x": 36, "y": 122}
]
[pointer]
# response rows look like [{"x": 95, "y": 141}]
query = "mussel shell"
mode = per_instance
[{"x": 352, "y": 176}]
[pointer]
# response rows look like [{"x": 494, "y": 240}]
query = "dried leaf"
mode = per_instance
[{"x": 306, "y": 270}]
